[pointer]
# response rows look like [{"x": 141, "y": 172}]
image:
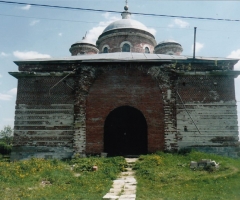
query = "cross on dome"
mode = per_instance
[
  {"x": 126, "y": 6},
  {"x": 125, "y": 13}
]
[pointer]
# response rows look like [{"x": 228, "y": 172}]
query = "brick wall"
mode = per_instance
[
  {"x": 209, "y": 117},
  {"x": 121, "y": 86},
  {"x": 57, "y": 118},
  {"x": 43, "y": 118}
]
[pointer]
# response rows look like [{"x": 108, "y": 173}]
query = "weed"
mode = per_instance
[
  {"x": 173, "y": 179},
  {"x": 54, "y": 179}
]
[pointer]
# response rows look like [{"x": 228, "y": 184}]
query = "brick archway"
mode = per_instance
[{"x": 121, "y": 86}]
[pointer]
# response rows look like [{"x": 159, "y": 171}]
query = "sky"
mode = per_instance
[{"x": 28, "y": 32}]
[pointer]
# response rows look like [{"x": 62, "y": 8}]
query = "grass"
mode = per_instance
[
  {"x": 160, "y": 176},
  {"x": 168, "y": 176},
  {"x": 53, "y": 179}
]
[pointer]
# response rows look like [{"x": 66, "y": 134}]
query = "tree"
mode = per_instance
[{"x": 6, "y": 135}]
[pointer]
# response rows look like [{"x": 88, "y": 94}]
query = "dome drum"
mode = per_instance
[
  {"x": 137, "y": 38},
  {"x": 171, "y": 48},
  {"x": 83, "y": 48}
]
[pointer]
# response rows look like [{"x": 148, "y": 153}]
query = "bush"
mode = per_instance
[
  {"x": 184, "y": 151},
  {"x": 5, "y": 149}
]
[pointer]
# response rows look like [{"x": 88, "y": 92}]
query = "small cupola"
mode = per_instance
[
  {"x": 168, "y": 47},
  {"x": 83, "y": 47}
]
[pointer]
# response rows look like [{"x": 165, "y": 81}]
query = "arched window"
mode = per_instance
[
  {"x": 81, "y": 53},
  {"x": 126, "y": 48},
  {"x": 105, "y": 50},
  {"x": 147, "y": 50},
  {"x": 170, "y": 53}
]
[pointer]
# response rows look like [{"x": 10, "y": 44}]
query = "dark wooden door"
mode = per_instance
[{"x": 125, "y": 132}]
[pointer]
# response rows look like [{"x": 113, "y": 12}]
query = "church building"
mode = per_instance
[{"x": 125, "y": 95}]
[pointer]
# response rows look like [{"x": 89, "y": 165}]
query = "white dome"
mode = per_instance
[
  {"x": 168, "y": 42},
  {"x": 125, "y": 23},
  {"x": 83, "y": 41}
]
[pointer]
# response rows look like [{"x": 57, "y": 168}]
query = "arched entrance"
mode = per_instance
[{"x": 125, "y": 132}]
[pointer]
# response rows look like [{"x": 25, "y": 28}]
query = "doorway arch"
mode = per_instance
[{"x": 125, "y": 132}]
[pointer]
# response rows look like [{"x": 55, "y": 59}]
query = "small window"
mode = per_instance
[
  {"x": 147, "y": 50},
  {"x": 170, "y": 53},
  {"x": 81, "y": 53},
  {"x": 126, "y": 48},
  {"x": 105, "y": 50}
]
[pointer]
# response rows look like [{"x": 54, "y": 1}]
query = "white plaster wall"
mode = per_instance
[{"x": 213, "y": 120}]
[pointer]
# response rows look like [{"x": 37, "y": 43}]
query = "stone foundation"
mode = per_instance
[{"x": 27, "y": 152}]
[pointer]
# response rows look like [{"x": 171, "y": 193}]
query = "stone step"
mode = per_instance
[
  {"x": 109, "y": 196},
  {"x": 116, "y": 190},
  {"x": 127, "y": 197},
  {"x": 128, "y": 192},
  {"x": 131, "y": 160},
  {"x": 124, "y": 187},
  {"x": 130, "y": 187},
  {"x": 129, "y": 173}
]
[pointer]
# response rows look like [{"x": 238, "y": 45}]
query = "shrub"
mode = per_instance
[
  {"x": 184, "y": 151},
  {"x": 5, "y": 149}
]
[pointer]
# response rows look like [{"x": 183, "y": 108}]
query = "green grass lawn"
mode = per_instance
[
  {"x": 160, "y": 176},
  {"x": 54, "y": 179},
  {"x": 168, "y": 176}
]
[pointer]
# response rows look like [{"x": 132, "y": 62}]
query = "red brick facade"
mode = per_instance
[
  {"x": 61, "y": 107},
  {"x": 124, "y": 86}
]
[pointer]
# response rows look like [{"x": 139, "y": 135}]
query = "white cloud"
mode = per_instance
[
  {"x": 235, "y": 54},
  {"x": 60, "y": 34},
  {"x": 8, "y": 119},
  {"x": 179, "y": 23},
  {"x": 27, "y": 7},
  {"x": 152, "y": 30},
  {"x": 169, "y": 40},
  {"x": 13, "y": 91},
  {"x": 29, "y": 55},
  {"x": 5, "y": 97},
  {"x": 93, "y": 33},
  {"x": 32, "y": 23},
  {"x": 199, "y": 46},
  {"x": 106, "y": 15},
  {"x": 0, "y": 75},
  {"x": 3, "y": 54}
]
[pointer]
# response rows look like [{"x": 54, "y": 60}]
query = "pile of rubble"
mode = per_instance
[{"x": 204, "y": 163}]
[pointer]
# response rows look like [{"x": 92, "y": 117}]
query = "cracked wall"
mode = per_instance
[
  {"x": 209, "y": 116},
  {"x": 58, "y": 118},
  {"x": 43, "y": 120}
]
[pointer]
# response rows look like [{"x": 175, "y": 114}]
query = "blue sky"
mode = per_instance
[{"x": 28, "y": 32}]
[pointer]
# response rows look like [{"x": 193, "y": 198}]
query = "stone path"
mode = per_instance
[{"x": 124, "y": 188}]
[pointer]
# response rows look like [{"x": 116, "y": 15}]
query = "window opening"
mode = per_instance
[
  {"x": 126, "y": 48},
  {"x": 147, "y": 50},
  {"x": 105, "y": 50}
]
